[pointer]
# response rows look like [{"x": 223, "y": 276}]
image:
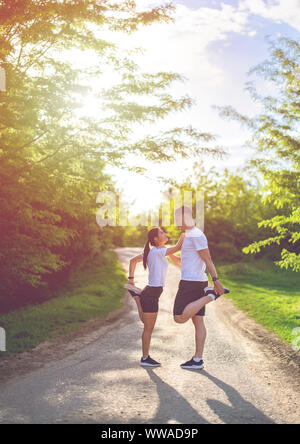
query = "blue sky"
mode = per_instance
[{"x": 213, "y": 44}]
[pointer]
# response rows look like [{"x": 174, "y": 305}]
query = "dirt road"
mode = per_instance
[{"x": 101, "y": 381}]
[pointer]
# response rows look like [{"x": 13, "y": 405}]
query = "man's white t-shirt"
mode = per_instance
[
  {"x": 157, "y": 265},
  {"x": 192, "y": 266}
]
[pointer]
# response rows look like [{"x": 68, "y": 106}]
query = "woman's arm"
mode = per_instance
[
  {"x": 132, "y": 265},
  {"x": 175, "y": 259},
  {"x": 177, "y": 247}
]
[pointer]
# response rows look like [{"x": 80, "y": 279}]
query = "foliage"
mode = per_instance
[
  {"x": 232, "y": 209},
  {"x": 93, "y": 291},
  {"x": 270, "y": 298},
  {"x": 276, "y": 139},
  {"x": 52, "y": 158}
]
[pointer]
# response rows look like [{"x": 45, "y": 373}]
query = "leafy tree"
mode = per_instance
[
  {"x": 276, "y": 140},
  {"x": 51, "y": 160},
  {"x": 232, "y": 209}
]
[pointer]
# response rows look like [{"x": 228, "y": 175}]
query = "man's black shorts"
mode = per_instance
[
  {"x": 149, "y": 299},
  {"x": 189, "y": 291}
]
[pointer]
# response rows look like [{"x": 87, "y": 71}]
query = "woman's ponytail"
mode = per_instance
[
  {"x": 151, "y": 235},
  {"x": 146, "y": 252}
]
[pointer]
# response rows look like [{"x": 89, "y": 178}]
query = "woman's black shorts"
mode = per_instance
[
  {"x": 149, "y": 299},
  {"x": 189, "y": 291}
]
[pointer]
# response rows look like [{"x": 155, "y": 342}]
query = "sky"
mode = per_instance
[{"x": 213, "y": 44}]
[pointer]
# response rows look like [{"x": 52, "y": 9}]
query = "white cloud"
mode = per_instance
[
  {"x": 182, "y": 46},
  {"x": 186, "y": 47},
  {"x": 281, "y": 11},
  {"x": 142, "y": 5}
]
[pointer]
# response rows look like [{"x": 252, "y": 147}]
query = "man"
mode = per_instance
[{"x": 189, "y": 301}]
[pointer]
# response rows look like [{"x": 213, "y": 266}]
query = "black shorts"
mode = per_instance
[
  {"x": 189, "y": 291},
  {"x": 149, "y": 299}
]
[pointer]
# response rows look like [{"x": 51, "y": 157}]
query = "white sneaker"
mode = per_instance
[
  {"x": 133, "y": 290},
  {"x": 208, "y": 291}
]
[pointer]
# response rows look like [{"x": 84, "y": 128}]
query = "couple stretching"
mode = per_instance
[{"x": 193, "y": 292}]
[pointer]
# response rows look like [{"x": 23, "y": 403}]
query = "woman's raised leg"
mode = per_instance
[{"x": 139, "y": 307}]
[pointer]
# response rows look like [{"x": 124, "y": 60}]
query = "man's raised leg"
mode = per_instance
[{"x": 191, "y": 309}]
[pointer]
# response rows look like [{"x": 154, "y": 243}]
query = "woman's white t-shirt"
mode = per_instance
[{"x": 157, "y": 265}]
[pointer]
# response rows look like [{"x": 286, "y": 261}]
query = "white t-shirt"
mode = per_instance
[
  {"x": 192, "y": 266},
  {"x": 157, "y": 265}
]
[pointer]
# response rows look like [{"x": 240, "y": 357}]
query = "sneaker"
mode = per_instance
[
  {"x": 193, "y": 364},
  {"x": 149, "y": 362},
  {"x": 210, "y": 290},
  {"x": 133, "y": 290}
]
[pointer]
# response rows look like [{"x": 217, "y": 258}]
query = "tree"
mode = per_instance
[
  {"x": 232, "y": 209},
  {"x": 51, "y": 160},
  {"x": 276, "y": 140}
]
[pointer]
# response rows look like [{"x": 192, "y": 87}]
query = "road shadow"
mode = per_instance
[
  {"x": 85, "y": 377},
  {"x": 241, "y": 412},
  {"x": 172, "y": 405}
]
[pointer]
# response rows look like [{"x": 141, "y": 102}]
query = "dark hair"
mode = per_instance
[{"x": 151, "y": 235}]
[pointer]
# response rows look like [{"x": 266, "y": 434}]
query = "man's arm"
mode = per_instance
[{"x": 205, "y": 256}]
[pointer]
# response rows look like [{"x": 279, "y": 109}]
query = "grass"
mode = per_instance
[
  {"x": 93, "y": 292},
  {"x": 269, "y": 295}
]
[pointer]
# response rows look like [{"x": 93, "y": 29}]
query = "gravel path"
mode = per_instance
[{"x": 98, "y": 379}]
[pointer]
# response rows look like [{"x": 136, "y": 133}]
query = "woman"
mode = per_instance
[{"x": 147, "y": 299}]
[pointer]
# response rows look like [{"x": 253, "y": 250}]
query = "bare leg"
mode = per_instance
[
  {"x": 149, "y": 322},
  {"x": 139, "y": 307},
  {"x": 200, "y": 335},
  {"x": 191, "y": 309}
]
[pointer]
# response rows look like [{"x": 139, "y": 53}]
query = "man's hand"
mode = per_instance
[
  {"x": 131, "y": 281},
  {"x": 218, "y": 287},
  {"x": 205, "y": 256}
]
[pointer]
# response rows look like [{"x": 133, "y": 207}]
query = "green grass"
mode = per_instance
[
  {"x": 95, "y": 290},
  {"x": 269, "y": 295}
]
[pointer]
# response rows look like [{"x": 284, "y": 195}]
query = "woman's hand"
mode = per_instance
[
  {"x": 131, "y": 281},
  {"x": 181, "y": 239},
  {"x": 175, "y": 259},
  {"x": 177, "y": 247}
]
